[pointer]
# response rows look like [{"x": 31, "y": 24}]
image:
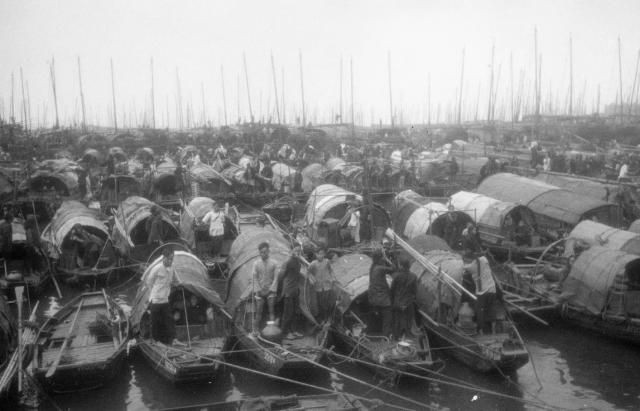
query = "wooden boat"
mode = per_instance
[
  {"x": 338, "y": 401},
  {"x": 274, "y": 357},
  {"x": 83, "y": 345},
  {"x": 52, "y": 178},
  {"x": 355, "y": 330},
  {"x": 202, "y": 323},
  {"x": 601, "y": 291},
  {"x": 166, "y": 186},
  {"x": 129, "y": 231},
  {"x": 115, "y": 189},
  {"x": 497, "y": 222},
  {"x": 440, "y": 304},
  {"x": 94, "y": 257},
  {"x": 594, "y": 233},
  {"x": 205, "y": 180},
  {"x": 326, "y": 212},
  {"x": 8, "y": 334}
]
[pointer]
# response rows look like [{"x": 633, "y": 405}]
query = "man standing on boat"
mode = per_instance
[
  {"x": 290, "y": 287},
  {"x": 264, "y": 284},
  {"x": 154, "y": 227},
  {"x": 323, "y": 279},
  {"x": 378, "y": 292},
  {"x": 162, "y": 326},
  {"x": 480, "y": 271},
  {"x": 403, "y": 297},
  {"x": 215, "y": 219}
]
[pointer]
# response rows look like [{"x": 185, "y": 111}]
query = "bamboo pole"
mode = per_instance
[
  {"x": 275, "y": 87},
  {"x": 84, "y": 112},
  {"x": 238, "y": 95},
  {"x": 511, "y": 89},
  {"x": 13, "y": 111},
  {"x": 390, "y": 89},
  {"x": 490, "y": 104},
  {"x": 570, "y": 75},
  {"x": 153, "y": 98},
  {"x": 459, "y": 117},
  {"x": 620, "y": 78},
  {"x": 224, "y": 95},
  {"x": 246, "y": 77},
  {"x": 113, "y": 94},
  {"x": 341, "y": 119},
  {"x": 304, "y": 119},
  {"x": 633, "y": 88},
  {"x": 52, "y": 72},
  {"x": 24, "y": 102},
  {"x": 204, "y": 105},
  {"x": 284, "y": 107},
  {"x": 353, "y": 120}
]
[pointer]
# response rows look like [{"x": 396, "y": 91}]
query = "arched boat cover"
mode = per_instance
[
  {"x": 427, "y": 296},
  {"x": 635, "y": 227},
  {"x": 195, "y": 211},
  {"x": 190, "y": 273},
  {"x": 352, "y": 273},
  {"x": 312, "y": 176},
  {"x": 596, "y": 274},
  {"x": 129, "y": 214},
  {"x": 416, "y": 215},
  {"x": 547, "y": 200},
  {"x": 91, "y": 154},
  {"x": 186, "y": 150},
  {"x": 335, "y": 163},
  {"x": 425, "y": 242},
  {"x": 204, "y": 173},
  {"x": 243, "y": 253},
  {"x": 235, "y": 174},
  {"x": 145, "y": 153},
  {"x": 6, "y": 182},
  {"x": 117, "y": 153},
  {"x": 589, "y": 188},
  {"x": 69, "y": 214},
  {"x": 126, "y": 186},
  {"x": 603, "y": 235},
  {"x": 488, "y": 211},
  {"x": 328, "y": 200}
]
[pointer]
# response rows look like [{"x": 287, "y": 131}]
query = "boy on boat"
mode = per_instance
[
  {"x": 215, "y": 219},
  {"x": 264, "y": 285}
]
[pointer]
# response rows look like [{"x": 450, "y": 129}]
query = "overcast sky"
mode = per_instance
[{"x": 424, "y": 38}]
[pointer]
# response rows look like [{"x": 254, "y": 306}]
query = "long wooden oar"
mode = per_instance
[
  {"x": 115, "y": 339},
  {"x": 52, "y": 368}
]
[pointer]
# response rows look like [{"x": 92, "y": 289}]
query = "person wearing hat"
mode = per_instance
[{"x": 485, "y": 291}]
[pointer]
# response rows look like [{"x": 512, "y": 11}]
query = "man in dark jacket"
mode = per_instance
[
  {"x": 6, "y": 237},
  {"x": 290, "y": 289},
  {"x": 403, "y": 297},
  {"x": 378, "y": 293}
]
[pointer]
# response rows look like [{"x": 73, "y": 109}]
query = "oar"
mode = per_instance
[
  {"x": 19, "y": 290},
  {"x": 52, "y": 368},
  {"x": 106, "y": 301}
]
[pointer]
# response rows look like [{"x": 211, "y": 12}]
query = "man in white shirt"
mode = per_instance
[
  {"x": 624, "y": 171},
  {"x": 264, "y": 284},
  {"x": 215, "y": 219},
  {"x": 162, "y": 326},
  {"x": 354, "y": 223}
]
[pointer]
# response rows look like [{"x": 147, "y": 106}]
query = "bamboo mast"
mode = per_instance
[
  {"x": 490, "y": 105},
  {"x": 246, "y": 77},
  {"x": 84, "y": 112},
  {"x": 304, "y": 122},
  {"x": 29, "y": 105},
  {"x": 13, "y": 109},
  {"x": 461, "y": 87},
  {"x": 275, "y": 87},
  {"x": 429, "y": 99},
  {"x": 341, "y": 120},
  {"x": 153, "y": 98},
  {"x": 570, "y": 75},
  {"x": 633, "y": 88},
  {"x": 24, "y": 102},
  {"x": 52, "y": 72},
  {"x": 620, "y": 78},
  {"x": 511, "y": 87},
  {"x": 224, "y": 96},
  {"x": 353, "y": 121},
  {"x": 204, "y": 105},
  {"x": 390, "y": 88},
  {"x": 113, "y": 95},
  {"x": 284, "y": 107},
  {"x": 238, "y": 95}
]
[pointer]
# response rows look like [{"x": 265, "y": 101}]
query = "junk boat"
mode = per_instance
[
  {"x": 201, "y": 323},
  {"x": 83, "y": 345},
  {"x": 266, "y": 347},
  {"x": 356, "y": 330}
]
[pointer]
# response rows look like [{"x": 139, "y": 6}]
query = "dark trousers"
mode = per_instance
[
  {"x": 384, "y": 314},
  {"x": 402, "y": 321},
  {"x": 485, "y": 309},
  {"x": 289, "y": 313},
  {"x": 216, "y": 246},
  {"x": 162, "y": 327},
  {"x": 326, "y": 302}
]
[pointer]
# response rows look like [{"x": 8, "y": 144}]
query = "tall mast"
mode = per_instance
[
  {"x": 113, "y": 95},
  {"x": 153, "y": 98},
  {"x": 179, "y": 112},
  {"x": 204, "y": 105},
  {"x": 29, "y": 105},
  {"x": 535, "y": 57},
  {"x": 511, "y": 79},
  {"x": 284, "y": 107},
  {"x": 490, "y": 107},
  {"x": 633, "y": 89},
  {"x": 13, "y": 109},
  {"x": 353, "y": 122},
  {"x": 429, "y": 99},
  {"x": 52, "y": 72},
  {"x": 620, "y": 77},
  {"x": 570, "y": 76},
  {"x": 304, "y": 121},
  {"x": 24, "y": 102},
  {"x": 390, "y": 88},
  {"x": 224, "y": 96},
  {"x": 246, "y": 77},
  {"x": 461, "y": 87},
  {"x": 275, "y": 87},
  {"x": 341, "y": 120},
  {"x": 84, "y": 112}
]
